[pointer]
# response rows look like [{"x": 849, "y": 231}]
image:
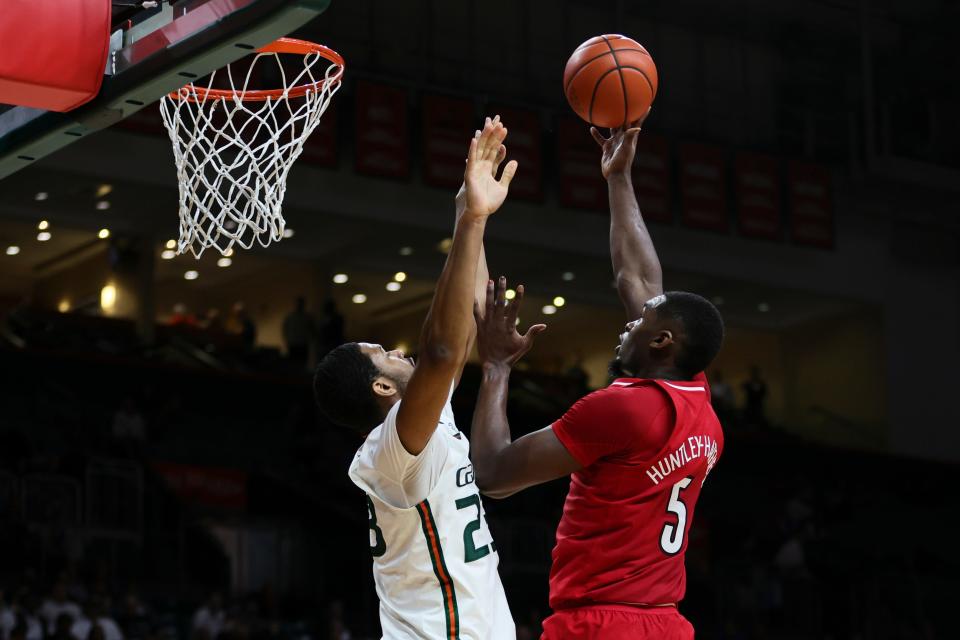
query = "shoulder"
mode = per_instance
[{"x": 625, "y": 395}]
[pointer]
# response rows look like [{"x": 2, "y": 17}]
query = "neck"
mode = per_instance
[{"x": 659, "y": 372}]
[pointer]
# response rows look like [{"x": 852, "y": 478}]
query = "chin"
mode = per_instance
[{"x": 615, "y": 368}]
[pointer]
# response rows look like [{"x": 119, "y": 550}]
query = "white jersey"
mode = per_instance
[{"x": 434, "y": 560}]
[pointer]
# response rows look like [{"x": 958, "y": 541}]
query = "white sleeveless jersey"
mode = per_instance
[{"x": 434, "y": 560}]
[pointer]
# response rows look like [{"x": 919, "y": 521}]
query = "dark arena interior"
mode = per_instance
[{"x": 166, "y": 474}]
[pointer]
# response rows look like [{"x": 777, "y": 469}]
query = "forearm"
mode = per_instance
[
  {"x": 450, "y": 325},
  {"x": 636, "y": 265},
  {"x": 490, "y": 431}
]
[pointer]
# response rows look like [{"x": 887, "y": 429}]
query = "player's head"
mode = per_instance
[
  {"x": 357, "y": 383},
  {"x": 677, "y": 331}
]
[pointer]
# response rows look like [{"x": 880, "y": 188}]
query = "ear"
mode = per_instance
[
  {"x": 384, "y": 387},
  {"x": 663, "y": 339}
]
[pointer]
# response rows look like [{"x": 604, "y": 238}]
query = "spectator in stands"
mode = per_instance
[
  {"x": 755, "y": 395},
  {"x": 242, "y": 324},
  {"x": 330, "y": 332},
  {"x": 85, "y": 627},
  {"x": 213, "y": 321},
  {"x": 210, "y": 618},
  {"x": 182, "y": 317},
  {"x": 128, "y": 422},
  {"x": 298, "y": 333},
  {"x": 29, "y": 614},
  {"x": 58, "y": 603},
  {"x": 721, "y": 395},
  {"x": 134, "y": 619}
]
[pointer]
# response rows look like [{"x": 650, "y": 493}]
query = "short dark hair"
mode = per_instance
[
  {"x": 702, "y": 328},
  {"x": 342, "y": 388}
]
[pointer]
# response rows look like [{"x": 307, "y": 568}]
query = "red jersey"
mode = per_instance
[{"x": 646, "y": 447}]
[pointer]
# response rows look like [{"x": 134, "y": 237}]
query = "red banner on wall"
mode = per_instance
[
  {"x": 703, "y": 187},
  {"x": 758, "y": 196},
  {"x": 651, "y": 178},
  {"x": 320, "y": 147},
  {"x": 448, "y": 124},
  {"x": 581, "y": 183},
  {"x": 382, "y": 136},
  {"x": 216, "y": 487},
  {"x": 811, "y": 209},
  {"x": 525, "y": 146}
]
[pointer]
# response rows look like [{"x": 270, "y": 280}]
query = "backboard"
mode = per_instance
[{"x": 153, "y": 51}]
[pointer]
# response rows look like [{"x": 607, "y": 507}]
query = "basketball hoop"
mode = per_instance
[{"x": 234, "y": 147}]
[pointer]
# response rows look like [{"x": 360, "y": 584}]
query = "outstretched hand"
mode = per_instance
[
  {"x": 498, "y": 340},
  {"x": 619, "y": 148},
  {"x": 484, "y": 193}
]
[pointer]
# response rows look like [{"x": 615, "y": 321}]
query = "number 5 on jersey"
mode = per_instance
[{"x": 671, "y": 538}]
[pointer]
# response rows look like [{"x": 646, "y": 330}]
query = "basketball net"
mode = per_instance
[{"x": 234, "y": 148}]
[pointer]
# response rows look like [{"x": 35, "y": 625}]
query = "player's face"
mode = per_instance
[
  {"x": 632, "y": 352},
  {"x": 393, "y": 364}
]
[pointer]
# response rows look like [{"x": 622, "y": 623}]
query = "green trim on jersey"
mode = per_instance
[{"x": 432, "y": 536}]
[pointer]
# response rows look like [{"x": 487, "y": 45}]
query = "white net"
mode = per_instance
[{"x": 233, "y": 155}]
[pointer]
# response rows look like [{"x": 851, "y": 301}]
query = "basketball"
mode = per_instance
[{"x": 610, "y": 81}]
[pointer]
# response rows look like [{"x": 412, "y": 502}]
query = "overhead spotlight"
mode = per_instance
[
  {"x": 516, "y": 322},
  {"x": 549, "y": 309},
  {"x": 104, "y": 190},
  {"x": 41, "y": 196},
  {"x": 224, "y": 262},
  {"x": 103, "y": 205},
  {"x": 510, "y": 294},
  {"x": 168, "y": 254},
  {"x": 43, "y": 236},
  {"x": 359, "y": 298},
  {"x": 13, "y": 250},
  {"x": 559, "y": 301},
  {"x": 63, "y": 306},
  {"x": 191, "y": 275},
  {"x": 228, "y": 253},
  {"x": 393, "y": 286},
  {"x": 108, "y": 298},
  {"x": 406, "y": 251},
  {"x": 399, "y": 276},
  {"x": 763, "y": 307},
  {"x": 568, "y": 276},
  {"x": 171, "y": 244},
  {"x": 444, "y": 245},
  {"x": 402, "y": 347},
  {"x": 43, "y": 225},
  {"x": 340, "y": 278},
  {"x": 103, "y": 234},
  {"x": 288, "y": 233}
]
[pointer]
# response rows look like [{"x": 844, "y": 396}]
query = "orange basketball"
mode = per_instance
[{"x": 610, "y": 81}]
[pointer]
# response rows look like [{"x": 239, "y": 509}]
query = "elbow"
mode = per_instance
[
  {"x": 439, "y": 352},
  {"x": 488, "y": 484}
]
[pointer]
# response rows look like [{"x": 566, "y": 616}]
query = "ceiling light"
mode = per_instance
[
  {"x": 359, "y": 298},
  {"x": 340, "y": 278},
  {"x": 402, "y": 347},
  {"x": 64, "y": 305},
  {"x": 103, "y": 234},
  {"x": 103, "y": 205},
  {"x": 516, "y": 322},
  {"x": 108, "y": 297},
  {"x": 13, "y": 250},
  {"x": 104, "y": 190},
  {"x": 168, "y": 254},
  {"x": 171, "y": 244},
  {"x": 559, "y": 301},
  {"x": 228, "y": 253},
  {"x": 41, "y": 196},
  {"x": 399, "y": 276},
  {"x": 763, "y": 307},
  {"x": 549, "y": 309},
  {"x": 288, "y": 233},
  {"x": 43, "y": 236},
  {"x": 406, "y": 251},
  {"x": 510, "y": 294},
  {"x": 191, "y": 275},
  {"x": 393, "y": 286},
  {"x": 568, "y": 276},
  {"x": 224, "y": 262},
  {"x": 444, "y": 245},
  {"x": 43, "y": 225}
]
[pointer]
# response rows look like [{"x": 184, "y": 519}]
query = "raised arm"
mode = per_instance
[
  {"x": 504, "y": 466},
  {"x": 447, "y": 329},
  {"x": 636, "y": 266}
]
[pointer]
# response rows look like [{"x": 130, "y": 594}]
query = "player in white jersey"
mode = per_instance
[{"x": 434, "y": 561}]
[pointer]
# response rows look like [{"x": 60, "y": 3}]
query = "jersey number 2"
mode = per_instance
[
  {"x": 671, "y": 538},
  {"x": 471, "y": 552}
]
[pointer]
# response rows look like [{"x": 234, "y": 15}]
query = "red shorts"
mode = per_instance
[{"x": 617, "y": 622}]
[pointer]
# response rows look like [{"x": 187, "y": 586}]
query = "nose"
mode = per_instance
[
  {"x": 396, "y": 353},
  {"x": 631, "y": 325}
]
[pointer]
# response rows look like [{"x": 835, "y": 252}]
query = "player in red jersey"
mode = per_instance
[{"x": 638, "y": 451}]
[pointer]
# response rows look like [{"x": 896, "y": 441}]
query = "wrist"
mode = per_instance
[
  {"x": 493, "y": 369},
  {"x": 620, "y": 178}
]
